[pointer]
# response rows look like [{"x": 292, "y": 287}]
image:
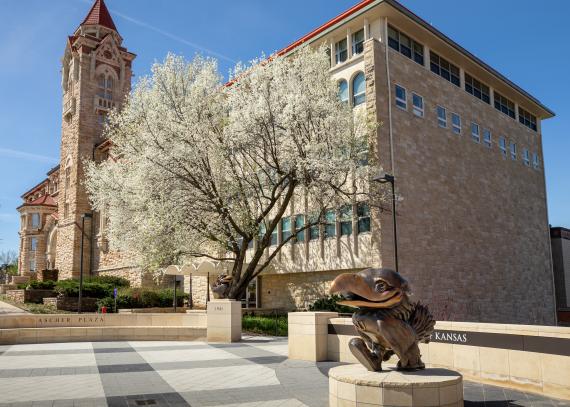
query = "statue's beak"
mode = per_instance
[{"x": 357, "y": 292}]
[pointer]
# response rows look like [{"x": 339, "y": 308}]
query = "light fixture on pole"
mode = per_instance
[
  {"x": 90, "y": 216},
  {"x": 384, "y": 178}
]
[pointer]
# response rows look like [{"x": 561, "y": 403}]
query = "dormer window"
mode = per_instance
[{"x": 105, "y": 84}]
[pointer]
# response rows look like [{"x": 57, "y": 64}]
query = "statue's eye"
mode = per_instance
[{"x": 380, "y": 286}]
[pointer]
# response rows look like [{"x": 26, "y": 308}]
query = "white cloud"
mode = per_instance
[{"x": 7, "y": 152}]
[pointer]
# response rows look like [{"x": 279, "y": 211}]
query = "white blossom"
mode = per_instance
[{"x": 200, "y": 166}]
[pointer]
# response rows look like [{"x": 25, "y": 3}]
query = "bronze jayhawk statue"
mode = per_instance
[{"x": 386, "y": 320}]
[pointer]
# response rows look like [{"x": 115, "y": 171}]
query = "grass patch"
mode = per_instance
[
  {"x": 267, "y": 325},
  {"x": 34, "y": 308}
]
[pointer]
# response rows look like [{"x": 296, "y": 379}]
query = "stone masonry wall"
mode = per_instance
[
  {"x": 295, "y": 291},
  {"x": 472, "y": 226}
]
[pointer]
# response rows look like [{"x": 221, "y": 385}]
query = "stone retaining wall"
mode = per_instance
[
  {"x": 94, "y": 327},
  {"x": 530, "y": 357},
  {"x": 35, "y": 296},
  {"x": 71, "y": 303}
]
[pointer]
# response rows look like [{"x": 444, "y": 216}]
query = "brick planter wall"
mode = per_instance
[
  {"x": 70, "y": 303},
  {"x": 35, "y": 296}
]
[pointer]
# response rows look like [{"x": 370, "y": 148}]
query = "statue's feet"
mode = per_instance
[
  {"x": 411, "y": 366},
  {"x": 361, "y": 352}
]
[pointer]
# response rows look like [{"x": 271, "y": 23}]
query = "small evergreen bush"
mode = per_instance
[{"x": 330, "y": 303}]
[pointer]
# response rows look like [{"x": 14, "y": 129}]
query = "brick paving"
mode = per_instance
[{"x": 253, "y": 373}]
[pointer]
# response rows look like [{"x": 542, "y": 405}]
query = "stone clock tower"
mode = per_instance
[{"x": 96, "y": 77}]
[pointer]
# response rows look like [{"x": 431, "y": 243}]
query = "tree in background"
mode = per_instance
[
  {"x": 206, "y": 169},
  {"x": 8, "y": 263}
]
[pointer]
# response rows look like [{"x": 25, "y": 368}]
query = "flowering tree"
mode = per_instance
[{"x": 205, "y": 169}]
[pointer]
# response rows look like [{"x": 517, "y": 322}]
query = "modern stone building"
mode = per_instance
[{"x": 463, "y": 142}]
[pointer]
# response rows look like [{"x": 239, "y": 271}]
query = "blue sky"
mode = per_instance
[{"x": 527, "y": 43}]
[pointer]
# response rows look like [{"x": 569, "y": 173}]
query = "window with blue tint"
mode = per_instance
[
  {"x": 535, "y": 161},
  {"x": 363, "y": 213},
  {"x": 477, "y": 89},
  {"x": 33, "y": 243},
  {"x": 405, "y": 45},
  {"x": 341, "y": 51},
  {"x": 526, "y": 157},
  {"x": 418, "y": 104},
  {"x": 299, "y": 224},
  {"x": 285, "y": 228},
  {"x": 261, "y": 231},
  {"x": 513, "y": 151},
  {"x": 358, "y": 42},
  {"x": 456, "y": 123},
  {"x": 346, "y": 220},
  {"x": 441, "y": 116},
  {"x": 314, "y": 229},
  {"x": 330, "y": 223},
  {"x": 358, "y": 89},
  {"x": 274, "y": 236},
  {"x": 527, "y": 119},
  {"x": 487, "y": 138},
  {"x": 401, "y": 100},
  {"x": 343, "y": 91},
  {"x": 503, "y": 146},
  {"x": 442, "y": 67},
  {"x": 475, "y": 132},
  {"x": 504, "y": 105},
  {"x": 250, "y": 244},
  {"x": 35, "y": 220}
]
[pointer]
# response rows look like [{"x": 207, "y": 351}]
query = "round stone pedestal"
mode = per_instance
[{"x": 353, "y": 385}]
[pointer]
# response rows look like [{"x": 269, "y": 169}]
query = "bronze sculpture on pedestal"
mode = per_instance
[{"x": 387, "y": 322}]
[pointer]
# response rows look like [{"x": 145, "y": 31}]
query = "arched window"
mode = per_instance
[
  {"x": 105, "y": 84},
  {"x": 358, "y": 89},
  {"x": 343, "y": 91}
]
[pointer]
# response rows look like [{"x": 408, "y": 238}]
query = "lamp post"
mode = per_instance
[
  {"x": 382, "y": 179},
  {"x": 90, "y": 216}
]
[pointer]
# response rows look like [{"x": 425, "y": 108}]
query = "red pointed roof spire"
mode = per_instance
[{"x": 99, "y": 14}]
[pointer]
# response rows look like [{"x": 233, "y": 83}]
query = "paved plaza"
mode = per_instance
[{"x": 255, "y": 372}]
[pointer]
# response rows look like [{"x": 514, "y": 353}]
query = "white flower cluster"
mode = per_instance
[{"x": 201, "y": 166}]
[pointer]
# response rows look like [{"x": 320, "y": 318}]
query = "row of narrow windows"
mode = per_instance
[
  {"x": 477, "y": 135},
  {"x": 440, "y": 66},
  {"x": 343, "y": 217},
  {"x": 357, "y": 45}
]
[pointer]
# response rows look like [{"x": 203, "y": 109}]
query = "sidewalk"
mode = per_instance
[{"x": 8, "y": 309}]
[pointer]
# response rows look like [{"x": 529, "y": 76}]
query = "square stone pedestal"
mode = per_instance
[{"x": 224, "y": 321}]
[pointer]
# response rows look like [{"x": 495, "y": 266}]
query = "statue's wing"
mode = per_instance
[{"x": 423, "y": 322}]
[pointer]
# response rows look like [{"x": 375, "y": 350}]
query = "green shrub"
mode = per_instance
[
  {"x": 143, "y": 298},
  {"x": 70, "y": 288},
  {"x": 111, "y": 280},
  {"x": 266, "y": 324},
  {"x": 37, "y": 285},
  {"x": 330, "y": 303}
]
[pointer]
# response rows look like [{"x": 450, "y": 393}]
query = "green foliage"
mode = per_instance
[
  {"x": 38, "y": 285},
  {"x": 70, "y": 288},
  {"x": 275, "y": 325},
  {"x": 143, "y": 298},
  {"x": 12, "y": 270},
  {"x": 111, "y": 280},
  {"x": 330, "y": 303}
]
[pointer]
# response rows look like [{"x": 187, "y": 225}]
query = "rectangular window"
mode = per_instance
[
  {"x": 456, "y": 123},
  {"x": 405, "y": 45},
  {"x": 285, "y": 228},
  {"x": 33, "y": 243},
  {"x": 35, "y": 220},
  {"x": 299, "y": 224},
  {"x": 418, "y": 105},
  {"x": 33, "y": 265},
  {"x": 401, "y": 100},
  {"x": 487, "y": 138},
  {"x": 504, "y": 105},
  {"x": 314, "y": 229},
  {"x": 441, "y": 117},
  {"x": 346, "y": 220},
  {"x": 503, "y": 146},
  {"x": 363, "y": 213},
  {"x": 444, "y": 68},
  {"x": 475, "y": 132},
  {"x": 513, "y": 151},
  {"x": 527, "y": 119},
  {"x": 341, "y": 51},
  {"x": 358, "y": 42},
  {"x": 330, "y": 223},
  {"x": 535, "y": 161},
  {"x": 274, "y": 237},
  {"x": 526, "y": 157},
  {"x": 477, "y": 89}
]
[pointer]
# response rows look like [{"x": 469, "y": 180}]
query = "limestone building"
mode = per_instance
[{"x": 463, "y": 142}]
